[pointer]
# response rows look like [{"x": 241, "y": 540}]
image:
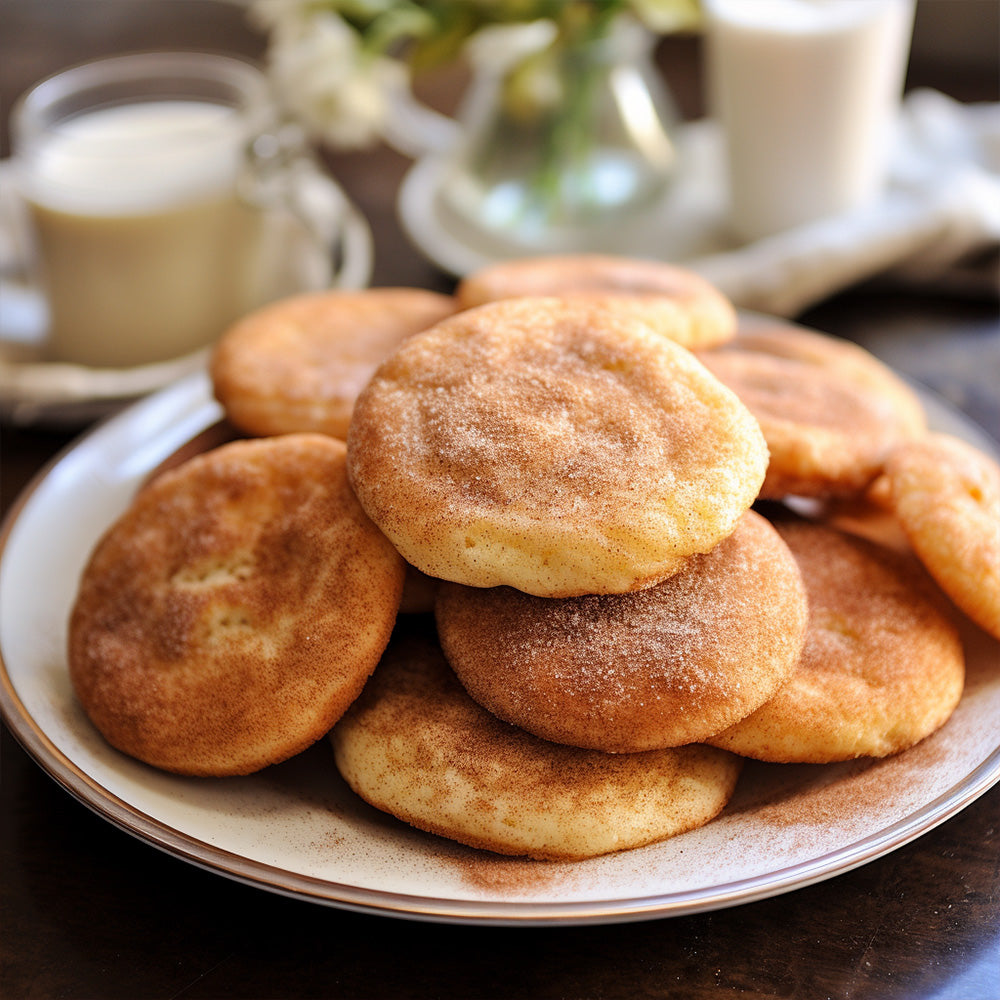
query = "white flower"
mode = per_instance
[
  {"x": 279, "y": 15},
  {"x": 330, "y": 69},
  {"x": 325, "y": 80}
]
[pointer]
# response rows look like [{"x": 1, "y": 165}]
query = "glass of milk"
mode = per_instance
[
  {"x": 806, "y": 93},
  {"x": 132, "y": 171}
]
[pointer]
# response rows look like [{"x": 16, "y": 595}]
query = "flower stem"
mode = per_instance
[{"x": 567, "y": 147}]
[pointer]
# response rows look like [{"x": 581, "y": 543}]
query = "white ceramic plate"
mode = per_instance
[{"x": 297, "y": 829}]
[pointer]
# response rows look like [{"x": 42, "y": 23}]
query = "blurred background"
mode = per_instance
[
  {"x": 956, "y": 44},
  {"x": 956, "y": 49}
]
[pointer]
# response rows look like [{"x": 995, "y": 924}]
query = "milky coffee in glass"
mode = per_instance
[{"x": 130, "y": 172}]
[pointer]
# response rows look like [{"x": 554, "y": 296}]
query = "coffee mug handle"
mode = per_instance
[
  {"x": 333, "y": 222},
  {"x": 283, "y": 176},
  {"x": 23, "y": 315}
]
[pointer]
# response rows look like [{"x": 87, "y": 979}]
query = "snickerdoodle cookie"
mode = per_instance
[
  {"x": 946, "y": 496},
  {"x": 298, "y": 364},
  {"x": 830, "y": 411},
  {"x": 417, "y": 746},
  {"x": 228, "y": 618},
  {"x": 674, "y": 301},
  {"x": 660, "y": 667},
  {"x": 556, "y": 447},
  {"x": 882, "y": 666}
]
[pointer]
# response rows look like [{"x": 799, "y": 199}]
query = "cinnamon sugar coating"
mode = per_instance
[
  {"x": 416, "y": 746},
  {"x": 674, "y": 301},
  {"x": 297, "y": 365},
  {"x": 662, "y": 667},
  {"x": 234, "y": 611},
  {"x": 946, "y": 495},
  {"x": 882, "y": 666},
  {"x": 830, "y": 411},
  {"x": 558, "y": 447}
]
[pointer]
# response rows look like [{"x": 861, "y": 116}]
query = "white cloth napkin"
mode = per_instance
[{"x": 941, "y": 204}]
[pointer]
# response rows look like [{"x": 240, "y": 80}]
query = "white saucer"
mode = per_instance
[
  {"x": 926, "y": 224},
  {"x": 687, "y": 223},
  {"x": 34, "y": 391}
]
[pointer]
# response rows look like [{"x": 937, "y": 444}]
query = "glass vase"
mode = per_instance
[{"x": 559, "y": 146}]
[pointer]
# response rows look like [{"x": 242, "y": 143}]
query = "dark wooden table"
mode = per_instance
[{"x": 89, "y": 912}]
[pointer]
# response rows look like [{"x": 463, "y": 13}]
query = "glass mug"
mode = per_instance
[{"x": 163, "y": 201}]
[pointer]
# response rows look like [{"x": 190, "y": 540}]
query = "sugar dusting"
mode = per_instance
[
  {"x": 560, "y": 440},
  {"x": 671, "y": 664}
]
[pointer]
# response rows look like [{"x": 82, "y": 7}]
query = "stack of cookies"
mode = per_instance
[{"x": 631, "y": 517}]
